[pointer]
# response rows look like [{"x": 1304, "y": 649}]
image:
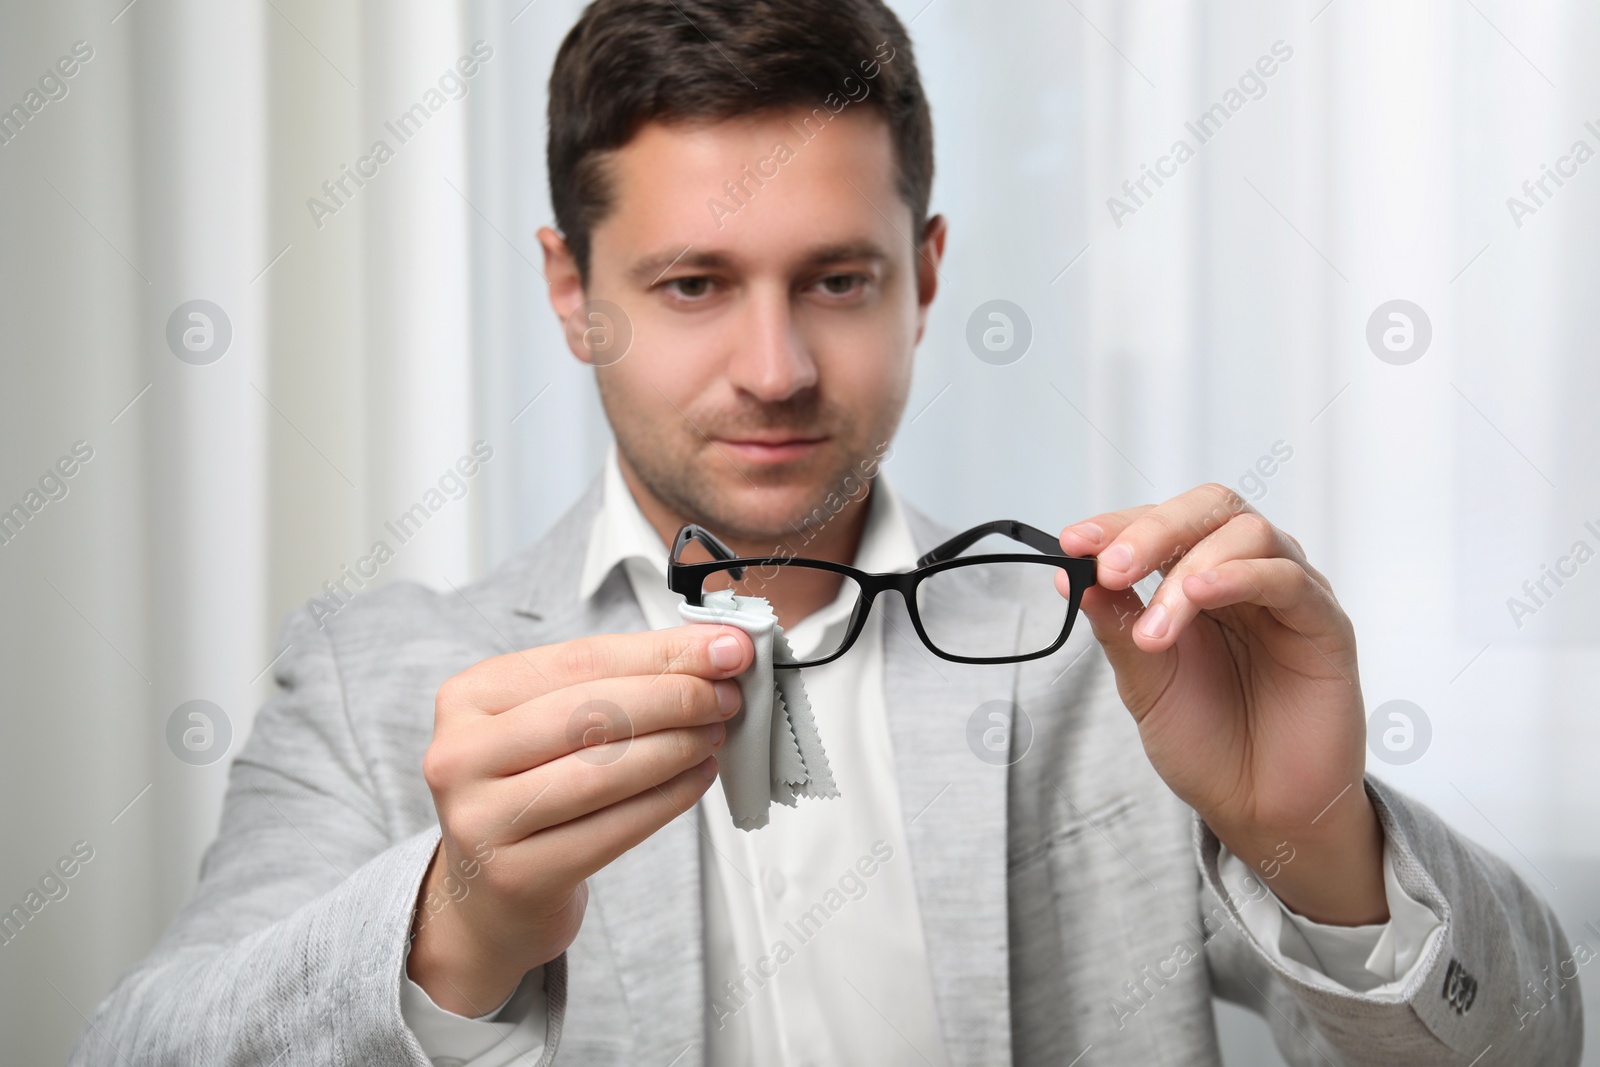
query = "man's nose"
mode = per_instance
[{"x": 771, "y": 359}]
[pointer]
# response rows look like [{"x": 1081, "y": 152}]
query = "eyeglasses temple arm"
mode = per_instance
[
  {"x": 1031, "y": 536},
  {"x": 718, "y": 550}
]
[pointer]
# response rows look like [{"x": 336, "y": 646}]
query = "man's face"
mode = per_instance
[{"x": 773, "y": 338}]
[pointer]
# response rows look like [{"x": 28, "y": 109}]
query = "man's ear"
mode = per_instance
[
  {"x": 929, "y": 255},
  {"x": 566, "y": 287}
]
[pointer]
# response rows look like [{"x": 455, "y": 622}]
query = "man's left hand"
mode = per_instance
[{"x": 1241, "y": 675}]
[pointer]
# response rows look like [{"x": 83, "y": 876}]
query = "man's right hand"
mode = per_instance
[{"x": 545, "y": 766}]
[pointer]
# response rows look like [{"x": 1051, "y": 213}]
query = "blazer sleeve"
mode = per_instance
[
  {"x": 292, "y": 947},
  {"x": 1470, "y": 999}
]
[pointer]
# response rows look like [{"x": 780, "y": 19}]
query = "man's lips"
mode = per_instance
[{"x": 770, "y": 450}]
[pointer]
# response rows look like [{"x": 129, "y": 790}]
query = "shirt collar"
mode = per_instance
[{"x": 621, "y": 532}]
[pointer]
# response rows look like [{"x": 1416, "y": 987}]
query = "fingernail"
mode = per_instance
[
  {"x": 708, "y": 767},
  {"x": 1087, "y": 531},
  {"x": 1117, "y": 558},
  {"x": 1210, "y": 577},
  {"x": 725, "y": 653},
  {"x": 727, "y": 696},
  {"x": 716, "y": 731},
  {"x": 1155, "y": 622}
]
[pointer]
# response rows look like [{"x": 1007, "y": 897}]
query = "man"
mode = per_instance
[{"x": 744, "y": 186}]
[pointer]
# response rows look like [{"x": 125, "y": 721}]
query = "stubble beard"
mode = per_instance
[{"x": 678, "y": 470}]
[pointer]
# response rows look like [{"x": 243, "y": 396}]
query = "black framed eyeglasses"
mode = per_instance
[{"x": 938, "y": 594}]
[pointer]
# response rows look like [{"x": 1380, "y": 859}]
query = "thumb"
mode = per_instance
[{"x": 1140, "y": 674}]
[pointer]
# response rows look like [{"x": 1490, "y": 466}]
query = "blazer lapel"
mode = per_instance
[
  {"x": 955, "y": 807},
  {"x": 647, "y": 901}
]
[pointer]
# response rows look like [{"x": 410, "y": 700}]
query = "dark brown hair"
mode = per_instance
[{"x": 629, "y": 62}]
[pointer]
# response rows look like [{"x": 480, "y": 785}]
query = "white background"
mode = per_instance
[{"x": 1226, "y": 315}]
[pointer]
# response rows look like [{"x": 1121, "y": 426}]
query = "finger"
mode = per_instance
[
  {"x": 593, "y": 713},
  {"x": 1159, "y": 537},
  {"x": 1113, "y": 613},
  {"x": 597, "y": 777},
  {"x": 1287, "y": 592},
  {"x": 584, "y": 845},
  {"x": 1087, "y": 537},
  {"x": 1247, "y": 536},
  {"x": 503, "y": 682}
]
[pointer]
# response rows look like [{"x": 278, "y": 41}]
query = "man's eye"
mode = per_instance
[
  {"x": 690, "y": 288},
  {"x": 842, "y": 284}
]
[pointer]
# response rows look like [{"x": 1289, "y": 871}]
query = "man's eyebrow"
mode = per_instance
[
  {"x": 846, "y": 250},
  {"x": 649, "y": 270}
]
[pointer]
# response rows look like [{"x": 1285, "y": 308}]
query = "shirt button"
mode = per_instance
[{"x": 777, "y": 884}]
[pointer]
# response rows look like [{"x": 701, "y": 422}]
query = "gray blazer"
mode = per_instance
[{"x": 1050, "y": 890}]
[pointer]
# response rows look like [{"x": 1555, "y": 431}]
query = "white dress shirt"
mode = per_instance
[{"x": 813, "y": 939}]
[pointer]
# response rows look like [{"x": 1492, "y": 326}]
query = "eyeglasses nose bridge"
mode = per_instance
[
  {"x": 867, "y": 596},
  {"x": 864, "y": 601}
]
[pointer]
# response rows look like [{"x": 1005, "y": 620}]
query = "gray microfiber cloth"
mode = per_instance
[{"x": 772, "y": 751}]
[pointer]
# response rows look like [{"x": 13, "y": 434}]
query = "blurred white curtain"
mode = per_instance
[
  {"x": 222, "y": 492},
  {"x": 1221, "y": 325}
]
